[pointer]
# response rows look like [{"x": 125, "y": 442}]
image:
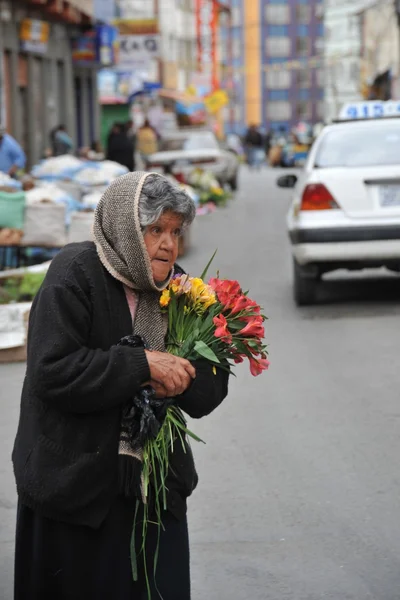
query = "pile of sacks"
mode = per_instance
[{"x": 84, "y": 173}]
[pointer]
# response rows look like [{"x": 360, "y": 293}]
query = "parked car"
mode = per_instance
[
  {"x": 345, "y": 211},
  {"x": 184, "y": 149}
]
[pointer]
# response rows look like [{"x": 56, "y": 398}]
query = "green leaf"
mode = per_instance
[
  {"x": 206, "y": 352},
  {"x": 204, "y": 273}
]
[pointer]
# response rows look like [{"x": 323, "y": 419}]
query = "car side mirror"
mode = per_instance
[{"x": 286, "y": 181}]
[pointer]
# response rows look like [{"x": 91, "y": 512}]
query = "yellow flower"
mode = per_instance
[
  {"x": 196, "y": 287},
  {"x": 201, "y": 295},
  {"x": 165, "y": 299},
  {"x": 217, "y": 191}
]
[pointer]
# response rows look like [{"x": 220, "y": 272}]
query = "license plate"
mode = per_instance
[{"x": 389, "y": 195}]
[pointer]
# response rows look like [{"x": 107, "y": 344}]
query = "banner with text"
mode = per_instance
[{"x": 206, "y": 31}]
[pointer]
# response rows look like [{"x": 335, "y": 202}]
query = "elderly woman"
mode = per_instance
[{"x": 75, "y": 511}]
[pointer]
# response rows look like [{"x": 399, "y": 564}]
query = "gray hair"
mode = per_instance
[{"x": 159, "y": 196}]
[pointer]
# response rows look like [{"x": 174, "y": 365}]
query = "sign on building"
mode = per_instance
[
  {"x": 34, "y": 35},
  {"x": 206, "y": 29},
  {"x": 138, "y": 51}
]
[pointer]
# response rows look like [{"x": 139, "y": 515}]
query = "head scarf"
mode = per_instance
[{"x": 122, "y": 250}]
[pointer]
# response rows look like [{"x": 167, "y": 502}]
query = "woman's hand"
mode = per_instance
[{"x": 171, "y": 376}]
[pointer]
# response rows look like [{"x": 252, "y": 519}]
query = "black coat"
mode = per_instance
[{"x": 77, "y": 381}]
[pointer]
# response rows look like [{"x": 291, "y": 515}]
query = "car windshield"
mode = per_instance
[
  {"x": 203, "y": 141},
  {"x": 360, "y": 147}
]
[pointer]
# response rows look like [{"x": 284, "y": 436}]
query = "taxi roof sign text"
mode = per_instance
[{"x": 374, "y": 109}]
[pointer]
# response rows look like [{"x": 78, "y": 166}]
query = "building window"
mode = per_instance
[
  {"x": 278, "y": 30},
  {"x": 303, "y": 31},
  {"x": 321, "y": 111},
  {"x": 278, "y": 46},
  {"x": 278, "y": 95},
  {"x": 303, "y": 13},
  {"x": 238, "y": 113},
  {"x": 320, "y": 78},
  {"x": 304, "y": 94},
  {"x": 236, "y": 16},
  {"x": 303, "y": 78},
  {"x": 303, "y": 110},
  {"x": 302, "y": 46},
  {"x": 276, "y": 14},
  {"x": 279, "y": 80},
  {"x": 279, "y": 111},
  {"x": 236, "y": 48}
]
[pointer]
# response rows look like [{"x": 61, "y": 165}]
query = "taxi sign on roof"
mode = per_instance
[{"x": 370, "y": 110}]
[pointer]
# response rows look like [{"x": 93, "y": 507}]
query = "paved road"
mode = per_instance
[{"x": 300, "y": 486}]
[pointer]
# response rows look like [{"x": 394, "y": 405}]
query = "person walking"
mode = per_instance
[
  {"x": 146, "y": 140},
  {"x": 254, "y": 146},
  {"x": 120, "y": 147},
  {"x": 12, "y": 157},
  {"x": 76, "y": 507}
]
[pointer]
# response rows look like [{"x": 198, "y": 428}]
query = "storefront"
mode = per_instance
[{"x": 41, "y": 87}]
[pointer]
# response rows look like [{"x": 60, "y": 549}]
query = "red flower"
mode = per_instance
[
  {"x": 258, "y": 366},
  {"x": 254, "y": 328},
  {"x": 240, "y": 303},
  {"x": 226, "y": 290},
  {"x": 222, "y": 330}
]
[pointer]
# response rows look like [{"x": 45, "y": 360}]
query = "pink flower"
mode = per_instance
[
  {"x": 257, "y": 366},
  {"x": 222, "y": 330}
]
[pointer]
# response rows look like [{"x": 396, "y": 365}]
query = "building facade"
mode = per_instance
[
  {"x": 41, "y": 86},
  {"x": 342, "y": 54},
  {"x": 380, "y": 51},
  {"x": 278, "y": 80},
  {"x": 291, "y": 36}
]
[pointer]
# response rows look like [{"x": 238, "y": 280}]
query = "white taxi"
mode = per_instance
[{"x": 346, "y": 207}]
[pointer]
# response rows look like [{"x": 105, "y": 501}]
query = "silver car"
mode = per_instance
[{"x": 182, "y": 150}]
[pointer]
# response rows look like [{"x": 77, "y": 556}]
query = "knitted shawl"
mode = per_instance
[{"x": 122, "y": 251}]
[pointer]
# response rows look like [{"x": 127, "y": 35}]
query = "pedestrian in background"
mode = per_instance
[
  {"x": 77, "y": 496},
  {"x": 268, "y": 142},
  {"x": 61, "y": 142},
  {"x": 254, "y": 147},
  {"x": 147, "y": 141},
  {"x": 12, "y": 157},
  {"x": 120, "y": 148}
]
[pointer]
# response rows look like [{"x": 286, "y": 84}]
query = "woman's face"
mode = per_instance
[{"x": 162, "y": 243}]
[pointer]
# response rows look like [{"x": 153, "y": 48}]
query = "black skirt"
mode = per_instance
[{"x": 58, "y": 561}]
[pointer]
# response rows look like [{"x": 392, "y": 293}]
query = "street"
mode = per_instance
[{"x": 299, "y": 480}]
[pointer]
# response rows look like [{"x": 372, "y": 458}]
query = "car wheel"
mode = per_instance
[
  {"x": 305, "y": 285},
  {"x": 234, "y": 182}
]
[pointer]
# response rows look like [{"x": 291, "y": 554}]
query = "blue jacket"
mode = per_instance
[{"x": 11, "y": 154}]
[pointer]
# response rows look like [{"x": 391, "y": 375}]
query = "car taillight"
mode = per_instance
[{"x": 317, "y": 197}]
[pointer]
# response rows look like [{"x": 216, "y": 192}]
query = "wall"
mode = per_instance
[
  {"x": 85, "y": 6},
  {"x": 42, "y": 90},
  {"x": 178, "y": 42},
  {"x": 343, "y": 45},
  {"x": 380, "y": 42},
  {"x": 39, "y": 85},
  {"x": 252, "y": 62},
  {"x": 291, "y": 31}
]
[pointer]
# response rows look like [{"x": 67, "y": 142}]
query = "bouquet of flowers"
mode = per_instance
[
  {"x": 209, "y": 188},
  {"x": 215, "y": 321}
]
